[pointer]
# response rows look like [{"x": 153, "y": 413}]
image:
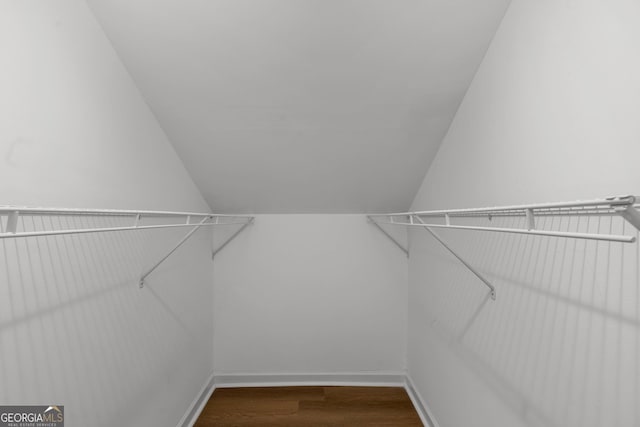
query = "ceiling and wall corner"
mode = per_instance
[{"x": 289, "y": 106}]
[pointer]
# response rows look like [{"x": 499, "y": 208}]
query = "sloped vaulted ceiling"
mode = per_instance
[{"x": 293, "y": 106}]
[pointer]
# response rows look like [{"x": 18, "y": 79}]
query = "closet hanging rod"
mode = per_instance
[
  {"x": 103, "y": 229},
  {"x": 566, "y": 234},
  {"x": 14, "y": 212}
]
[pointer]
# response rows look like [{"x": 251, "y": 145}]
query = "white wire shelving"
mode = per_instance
[
  {"x": 11, "y": 226},
  {"x": 623, "y": 206}
]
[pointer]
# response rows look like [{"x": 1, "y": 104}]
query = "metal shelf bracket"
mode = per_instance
[
  {"x": 630, "y": 213},
  {"x": 175, "y": 248},
  {"x": 233, "y": 236},
  {"x": 12, "y": 222},
  {"x": 389, "y": 236},
  {"x": 492, "y": 289}
]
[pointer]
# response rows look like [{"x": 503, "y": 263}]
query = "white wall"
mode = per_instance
[
  {"x": 74, "y": 327},
  {"x": 310, "y": 294},
  {"x": 254, "y": 92},
  {"x": 551, "y": 115}
]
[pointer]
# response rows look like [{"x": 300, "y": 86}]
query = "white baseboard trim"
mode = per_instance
[
  {"x": 196, "y": 407},
  {"x": 369, "y": 379},
  {"x": 373, "y": 379},
  {"x": 426, "y": 415}
]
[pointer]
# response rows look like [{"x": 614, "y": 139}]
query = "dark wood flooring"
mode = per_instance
[{"x": 309, "y": 406}]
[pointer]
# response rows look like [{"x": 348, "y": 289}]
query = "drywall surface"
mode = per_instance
[
  {"x": 310, "y": 294},
  {"x": 552, "y": 114},
  {"x": 314, "y": 106},
  {"x": 75, "y": 330}
]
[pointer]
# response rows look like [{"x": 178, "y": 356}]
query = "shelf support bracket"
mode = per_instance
[
  {"x": 631, "y": 214},
  {"x": 233, "y": 236},
  {"x": 389, "y": 236},
  {"x": 12, "y": 222},
  {"x": 492, "y": 289},
  {"x": 531, "y": 220},
  {"x": 175, "y": 248}
]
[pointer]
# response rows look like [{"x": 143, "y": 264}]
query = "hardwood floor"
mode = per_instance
[{"x": 309, "y": 406}]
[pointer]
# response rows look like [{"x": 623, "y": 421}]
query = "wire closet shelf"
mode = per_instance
[
  {"x": 13, "y": 228},
  {"x": 623, "y": 206}
]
